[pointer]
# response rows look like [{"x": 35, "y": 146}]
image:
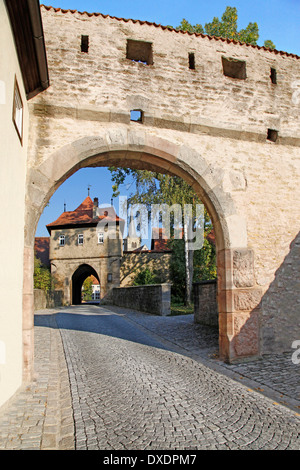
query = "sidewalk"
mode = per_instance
[{"x": 40, "y": 416}]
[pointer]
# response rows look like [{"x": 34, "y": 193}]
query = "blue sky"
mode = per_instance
[{"x": 277, "y": 20}]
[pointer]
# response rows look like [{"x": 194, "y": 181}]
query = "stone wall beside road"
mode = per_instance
[
  {"x": 205, "y": 303},
  {"x": 155, "y": 298}
]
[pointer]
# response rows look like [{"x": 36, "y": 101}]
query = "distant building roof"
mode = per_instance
[
  {"x": 41, "y": 249},
  {"x": 87, "y": 213},
  {"x": 141, "y": 248},
  {"x": 211, "y": 237},
  {"x": 159, "y": 240},
  {"x": 95, "y": 281}
]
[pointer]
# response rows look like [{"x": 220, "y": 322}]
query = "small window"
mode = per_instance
[
  {"x": 18, "y": 111},
  {"x": 136, "y": 115},
  {"x": 96, "y": 295},
  {"x": 234, "y": 68},
  {"x": 80, "y": 239},
  {"x": 109, "y": 277},
  {"x": 273, "y": 76},
  {"x": 84, "y": 44},
  {"x": 272, "y": 135},
  {"x": 61, "y": 240},
  {"x": 192, "y": 61},
  {"x": 139, "y": 51},
  {"x": 100, "y": 237}
]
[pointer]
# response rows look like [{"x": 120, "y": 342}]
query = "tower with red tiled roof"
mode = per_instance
[{"x": 86, "y": 242}]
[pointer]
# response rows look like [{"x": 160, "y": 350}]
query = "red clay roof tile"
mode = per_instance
[
  {"x": 83, "y": 215},
  {"x": 41, "y": 249}
]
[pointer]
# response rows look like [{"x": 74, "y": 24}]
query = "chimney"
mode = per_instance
[{"x": 95, "y": 207}]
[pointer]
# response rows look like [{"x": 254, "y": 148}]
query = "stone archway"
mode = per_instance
[
  {"x": 126, "y": 146},
  {"x": 80, "y": 274}
]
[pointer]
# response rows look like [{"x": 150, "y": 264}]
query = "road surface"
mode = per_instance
[{"x": 131, "y": 391}]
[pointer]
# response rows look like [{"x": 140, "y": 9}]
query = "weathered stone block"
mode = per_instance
[
  {"x": 246, "y": 335},
  {"x": 247, "y": 299},
  {"x": 243, "y": 268},
  {"x": 205, "y": 303}
]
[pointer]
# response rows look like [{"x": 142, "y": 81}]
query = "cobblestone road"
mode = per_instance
[
  {"x": 113, "y": 379},
  {"x": 132, "y": 391}
]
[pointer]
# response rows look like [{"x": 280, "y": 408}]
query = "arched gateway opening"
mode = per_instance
[
  {"x": 130, "y": 146},
  {"x": 80, "y": 275}
]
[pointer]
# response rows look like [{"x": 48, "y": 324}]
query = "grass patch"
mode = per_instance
[{"x": 181, "y": 309}]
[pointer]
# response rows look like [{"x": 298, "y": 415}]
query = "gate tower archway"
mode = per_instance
[
  {"x": 127, "y": 146},
  {"x": 79, "y": 276}
]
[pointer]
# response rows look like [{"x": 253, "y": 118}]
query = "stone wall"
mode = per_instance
[
  {"x": 168, "y": 92},
  {"x": 205, "y": 303},
  {"x": 155, "y": 299},
  {"x": 64, "y": 269},
  {"x": 104, "y": 258},
  {"x": 40, "y": 299},
  {"x": 89, "y": 249},
  {"x": 132, "y": 263},
  {"x": 281, "y": 304},
  {"x": 44, "y": 299},
  {"x": 199, "y": 124}
]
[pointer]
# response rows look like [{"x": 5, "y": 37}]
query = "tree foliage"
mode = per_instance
[
  {"x": 156, "y": 188},
  {"x": 153, "y": 188},
  {"x": 204, "y": 265},
  {"x": 87, "y": 288},
  {"x": 269, "y": 44},
  {"x": 146, "y": 277},
  {"x": 227, "y": 27},
  {"x": 41, "y": 276}
]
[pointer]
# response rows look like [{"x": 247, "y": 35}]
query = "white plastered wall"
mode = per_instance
[{"x": 13, "y": 156}]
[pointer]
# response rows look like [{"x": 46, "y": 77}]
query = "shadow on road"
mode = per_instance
[{"x": 161, "y": 332}]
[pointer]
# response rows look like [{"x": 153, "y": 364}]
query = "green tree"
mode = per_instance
[
  {"x": 41, "y": 276},
  {"x": 145, "y": 277},
  {"x": 269, "y": 44},
  {"x": 156, "y": 188},
  {"x": 87, "y": 288},
  {"x": 204, "y": 263},
  {"x": 186, "y": 26},
  {"x": 227, "y": 28},
  {"x": 205, "y": 266}
]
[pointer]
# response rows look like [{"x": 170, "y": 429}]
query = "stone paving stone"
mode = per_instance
[
  {"x": 144, "y": 402},
  {"x": 32, "y": 419},
  {"x": 276, "y": 373},
  {"x": 135, "y": 373}
]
